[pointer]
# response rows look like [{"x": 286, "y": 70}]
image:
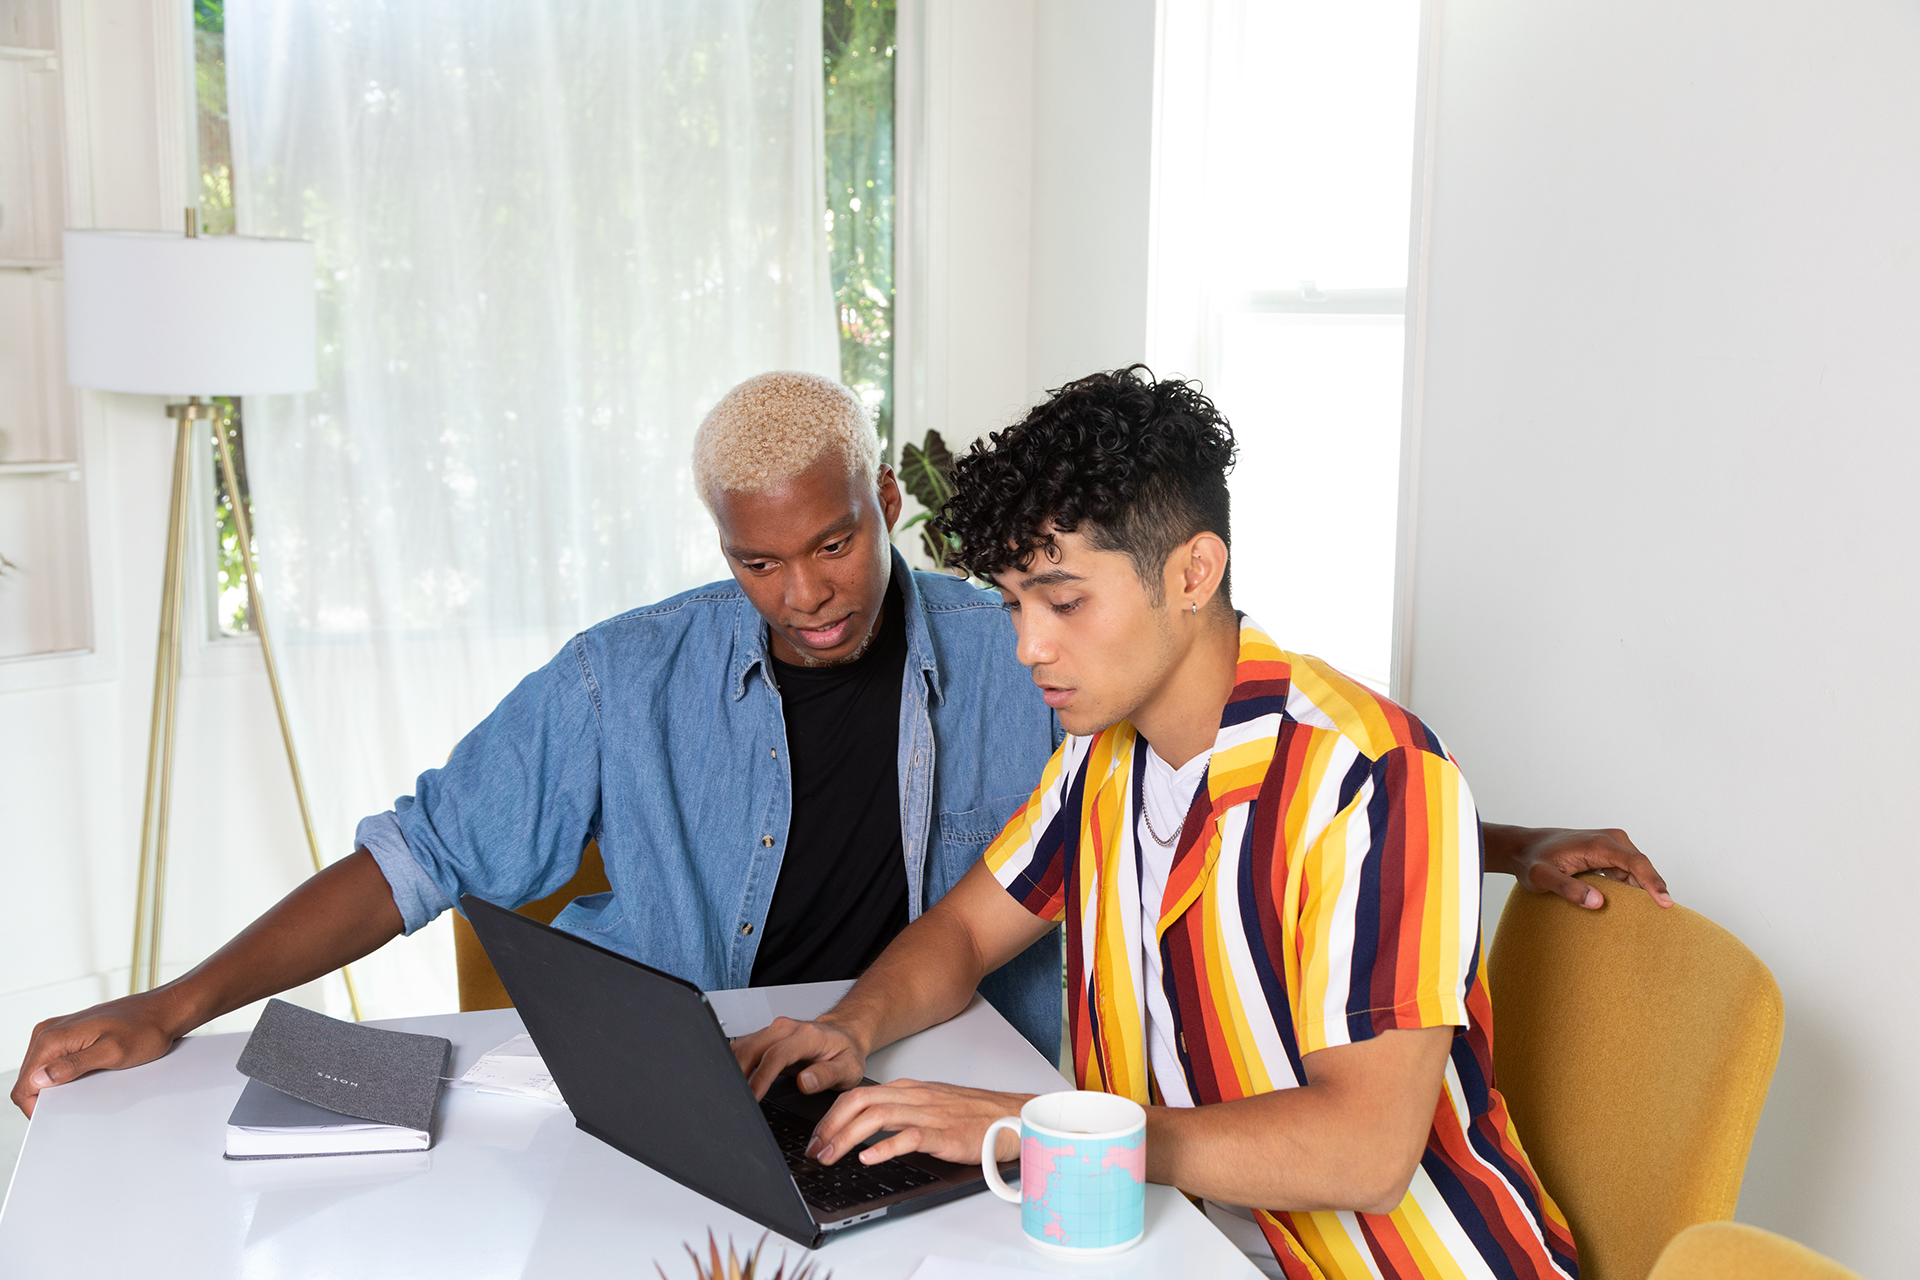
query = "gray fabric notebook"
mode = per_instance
[{"x": 387, "y": 1077}]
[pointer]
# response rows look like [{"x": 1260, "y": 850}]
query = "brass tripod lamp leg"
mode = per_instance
[{"x": 151, "y": 890}]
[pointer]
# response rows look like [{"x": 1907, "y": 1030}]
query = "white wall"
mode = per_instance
[
  {"x": 1666, "y": 528},
  {"x": 1024, "y": 212},
  {"x": 1092, "y": 163},
  {"x": 962, "y": 255}
]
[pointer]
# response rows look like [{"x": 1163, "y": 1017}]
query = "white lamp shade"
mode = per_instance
[{"x": 162, "y": 314}]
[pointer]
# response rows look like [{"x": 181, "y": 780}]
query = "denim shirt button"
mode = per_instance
[
  {"x": 767, "y": 841},
  {"x": 746, "y": 930}
]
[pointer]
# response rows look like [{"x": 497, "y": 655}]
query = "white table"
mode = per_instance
[{"x": 121, "y": 1175}]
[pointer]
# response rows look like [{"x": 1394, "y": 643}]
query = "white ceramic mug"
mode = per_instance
[{"x": 1083, "y": 1171}]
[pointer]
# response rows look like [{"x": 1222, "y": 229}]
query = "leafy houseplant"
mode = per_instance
[{"x": 926, "y": 471}]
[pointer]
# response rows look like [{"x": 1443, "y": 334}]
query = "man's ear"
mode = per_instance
[
  {"x": 1194, "y": 572},
  {"x": 889, "y": 489}
]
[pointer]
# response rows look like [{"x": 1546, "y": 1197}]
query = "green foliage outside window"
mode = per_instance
[
  {"x": 229, "y": 569},
  {"x": 216, "y": 141},
  {"x": 859, "y": 40},
  {"x": 216, "y": 218}
]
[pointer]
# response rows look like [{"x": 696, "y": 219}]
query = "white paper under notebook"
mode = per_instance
[
  {"x": 267, "y": 1123},
  {"x": 514, "y": 1069}
]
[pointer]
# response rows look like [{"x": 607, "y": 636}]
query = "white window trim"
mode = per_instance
[
  {"x": 99, "y": 660},
  {"x": 1414, "y": 380}
]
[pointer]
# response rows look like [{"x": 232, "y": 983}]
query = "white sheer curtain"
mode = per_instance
[{"x": 551, "y": 233}]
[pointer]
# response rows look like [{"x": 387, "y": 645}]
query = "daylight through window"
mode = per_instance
[
  {"x": 1283, "y": 193},
  {"x": 859, "y": 44}
]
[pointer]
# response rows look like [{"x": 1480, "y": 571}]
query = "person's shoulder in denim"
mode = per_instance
[{"x": 659, "y": 733}]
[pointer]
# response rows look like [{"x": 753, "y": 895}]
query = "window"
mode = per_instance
[
  {"x": 228, "y": 585},
  {"x": 1284, "y": 168},
  {"x": 858, "y": 38},
  {"x": 858, "y": 47}
]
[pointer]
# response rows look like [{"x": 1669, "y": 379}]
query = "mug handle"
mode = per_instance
[{"x": 991, "y": 1167}]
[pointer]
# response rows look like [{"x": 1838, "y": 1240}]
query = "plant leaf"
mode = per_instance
[
  {"x": 942, "y": 456},
  {"x": 927, "y": 471}
]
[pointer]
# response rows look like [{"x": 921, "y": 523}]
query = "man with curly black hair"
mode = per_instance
[{"x": 1269, "y": 876}]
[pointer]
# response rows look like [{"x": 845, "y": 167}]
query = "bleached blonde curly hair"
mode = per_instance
[{"x": 773, "y": 426}]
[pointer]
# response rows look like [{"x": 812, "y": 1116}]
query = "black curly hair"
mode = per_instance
[{"x": 1141, "y": 463}]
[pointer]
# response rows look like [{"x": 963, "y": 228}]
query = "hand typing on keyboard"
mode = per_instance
[
  {"x": 943, "y": 1120},
  {"x": 836, "y": 1188}
]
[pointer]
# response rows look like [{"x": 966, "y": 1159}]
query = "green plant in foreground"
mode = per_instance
[
  {"x": 734, "y": 1269},
  {"x": 926, "y": 472}
]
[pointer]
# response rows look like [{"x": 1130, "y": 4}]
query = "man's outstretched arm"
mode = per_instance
[
  {"x": 1546, "y": 860},
  {"x": 334, "y": 918}
]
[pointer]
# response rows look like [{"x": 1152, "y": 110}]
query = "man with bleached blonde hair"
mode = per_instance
[
  {"x": 769, "y": 428},
  {"x": 781, "y": 770}
]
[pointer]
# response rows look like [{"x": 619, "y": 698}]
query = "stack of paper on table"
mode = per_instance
[{"x": 515, "y": 1069}]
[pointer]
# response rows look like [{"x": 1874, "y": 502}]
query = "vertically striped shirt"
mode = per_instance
[{"x": 1325, "y": 888}]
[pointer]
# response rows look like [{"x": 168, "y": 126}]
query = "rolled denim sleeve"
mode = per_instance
[
  {"x": 507, "y": 816},
  {"x": 414, "y": 891}
]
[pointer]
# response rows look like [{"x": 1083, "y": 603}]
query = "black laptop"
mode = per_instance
[{"x": 641, "y": 1059}]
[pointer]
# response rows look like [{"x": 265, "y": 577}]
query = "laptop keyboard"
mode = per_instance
[{"x": 838, "y": 1187}]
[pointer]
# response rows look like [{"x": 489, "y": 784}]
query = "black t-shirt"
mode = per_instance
[{"x": 842, "y": 892}]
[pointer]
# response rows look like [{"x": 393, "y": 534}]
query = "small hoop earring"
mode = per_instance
[{"x": 1196, "y": 608}]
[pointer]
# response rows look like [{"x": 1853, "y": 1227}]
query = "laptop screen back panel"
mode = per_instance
[{"x": 641, "y": 1060}]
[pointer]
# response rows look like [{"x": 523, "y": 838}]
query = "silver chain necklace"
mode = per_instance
[{"x": 1146, "y": 811}]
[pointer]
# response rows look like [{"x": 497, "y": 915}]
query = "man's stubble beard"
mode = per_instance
[{"x": 873, "y": 633}]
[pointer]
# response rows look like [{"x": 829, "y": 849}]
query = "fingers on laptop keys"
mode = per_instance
[
  {"x": 890, "y": 1115},
  {"x": 826, "y": 1056},
  {"x": 943, "y": 1120}
]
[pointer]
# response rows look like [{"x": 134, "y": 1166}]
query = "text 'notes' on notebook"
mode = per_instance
[{"x": 388, "y": 1077}]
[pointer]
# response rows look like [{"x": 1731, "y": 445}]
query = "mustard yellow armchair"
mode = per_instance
[
  {"x": 1634, "y": 1046},
  {"x": 1732, "y": 1251},
  {"x": 480, "y": 986}
]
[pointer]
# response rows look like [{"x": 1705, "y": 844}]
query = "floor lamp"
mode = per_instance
[{"x": 154, "y": 313}]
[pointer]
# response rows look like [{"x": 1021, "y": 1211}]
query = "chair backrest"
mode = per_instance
[
  {"x": 480, "y": 986},
  {"x": 1634, "y": 1046},
  {"x": 1735, "y": 1251}
]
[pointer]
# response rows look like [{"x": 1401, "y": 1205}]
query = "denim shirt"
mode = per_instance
[{"x": 659, "y": 733}]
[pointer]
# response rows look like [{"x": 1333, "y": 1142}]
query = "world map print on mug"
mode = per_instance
[{"x": 1083, "y": 1172}]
